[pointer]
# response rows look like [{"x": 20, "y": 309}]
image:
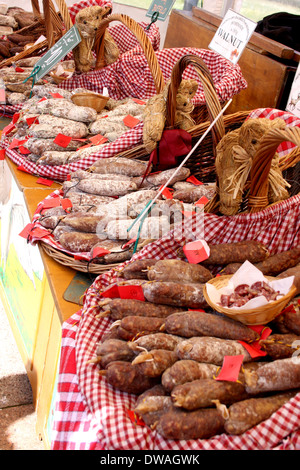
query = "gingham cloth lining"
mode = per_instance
[
  {"x": 132, "y": 77},
  {"x": 279, "y": 229},
  {"x": 285, "y": 147}
]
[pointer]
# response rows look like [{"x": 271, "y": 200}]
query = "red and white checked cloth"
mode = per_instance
[
  {"x": 91, "y": 414},
  {"x": 131, "y": 76}
]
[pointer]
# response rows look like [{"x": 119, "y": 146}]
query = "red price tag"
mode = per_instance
[
  {"x": 202, "y": 201},
  {"x": 44, "y": 181},
  {"x": 51, "y": 202},
  {"x": 2, "y": 96},
  {"x": 56, "y": 95},
  {"x": 131, "y": 292},
  {"x": 19, "y": 69},
  {"x": 193, "y": 179},
  {"x": 254, "y": 349},
  {"x": 26, "y": 231},
  {"x": 39, "y": 233},
  {"x": 111, "y": 292},
  {"x": 98, "y": 252},
  {"x": 66, "y": 204},
  {"x": 136, "y": 100},
  {"x": 230, "y": 368},
  {"x": 196, "y": 251},
  {"x": 62, "y": 140},
  {"x": 22, "y": 168},
  {"x": 32, "y": 120},
  {"x": 15, "y": 117},
  {"x": 2, "y": 154},
  {"x": 7, "y": 129},
  {"x": 98, "y": 139},
  {"x": 23, "y": 150},
  {"x": 130, "y": 121},
  {"x": 167, "y": 193},
  {"x": 262, "y": 330}
]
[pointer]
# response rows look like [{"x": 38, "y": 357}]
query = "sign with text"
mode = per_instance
[
  {"x": 162, "y": 7},
  {"x": 57, "y": 52},
  {"x": 232, "y": 36},
  {"x": 293, "y": 103}
]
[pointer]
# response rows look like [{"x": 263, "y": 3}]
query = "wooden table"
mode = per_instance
[{"x": 32, "y": 286}]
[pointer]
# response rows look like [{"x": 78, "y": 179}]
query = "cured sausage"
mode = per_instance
[
  {"x": 49, "y": 126},
  {"x": 295, "y": 271},
  {"x": 120, "y": 308},
  {"x": 155, "y": 341},
  {"x": 199, "y": 424},
  {"x": 279, "y": 346},
  {"x": 210, "y": 349},
  {"x": 78, "y": 241},
  {"x": 204, "y": 393},
  {"x": 137, "y": 269},
  {"x": 279, "y": 375},
  {"x": 289, "y": 320},
  {"x": 120, "y": 165},
  {"x": 131, "y": 326},
  {"x": 161, "y": 178},
  {"x": 247, "y": 413},
  {"x": 125, "y": 377},
  {"x": 178, "y": 270},
  {"x": 193, "y": 194},
  {"x": 38, "y": 146},
  {"x": 186, "y": 370},
  {"x": 153, "y": 363},
  {"x": 190, "y": 324},
  {"x": 106, "y": 187},
  {"x": 279, "y": 262},
  {"x": 55, "y": 157},
  {"x": 151, "y": 408},
  {"x": 175, "y": 293},
  {"x": 84, "y": 221},
  {"x": 113, "y": 350},
  {"x": 225, "y": 253},
  {"x": 151, "y": 228}
]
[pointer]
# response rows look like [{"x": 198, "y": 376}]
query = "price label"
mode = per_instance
[{"x": 57, "y": 52}]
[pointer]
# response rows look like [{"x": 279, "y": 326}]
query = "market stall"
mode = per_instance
[{"x": 207, "y": 194}]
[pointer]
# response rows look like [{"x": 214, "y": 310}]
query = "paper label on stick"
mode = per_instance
[
  {"x": 130, "y": 121},
  {"x": 196, "y": 251}
]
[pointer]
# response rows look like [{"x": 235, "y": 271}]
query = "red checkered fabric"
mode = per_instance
[
  {"x": 131, "y": 76},
  {"x": 105, "y": 411}
]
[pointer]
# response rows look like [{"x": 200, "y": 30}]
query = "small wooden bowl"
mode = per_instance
[
  {"x": 255, "y": 316},
  {"x": 91, "y": 100},
  {"x": 60, "y": 78}
]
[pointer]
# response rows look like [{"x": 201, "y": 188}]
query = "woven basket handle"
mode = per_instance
[
  {"x": 142, "y": 38},
  {"x": 258, "y": 193},
  {"x": 212, "y": 101}
]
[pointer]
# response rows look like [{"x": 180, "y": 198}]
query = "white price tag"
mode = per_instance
[{"x": 232, "y": 36}]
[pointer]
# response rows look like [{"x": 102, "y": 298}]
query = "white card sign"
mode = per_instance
[
  {"x": 293, "y": 103},
  {"x": 232, "y": 36}
]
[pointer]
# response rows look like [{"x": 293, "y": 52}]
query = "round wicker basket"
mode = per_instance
[
  {"x": 255, "y": 316},
  {"x": 92, "y": 100}
]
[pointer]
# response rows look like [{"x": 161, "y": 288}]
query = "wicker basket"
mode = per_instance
[
  {"x": 256, "y": 188},
  {"x": 255, "y": 316},
  {"x": 92, "y": 100},
  {"x": 201, "y": 162}
]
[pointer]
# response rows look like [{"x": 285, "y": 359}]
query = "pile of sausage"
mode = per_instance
[
  {"x": 105, "y": 201},
  {"x": 168, "y": 349}
]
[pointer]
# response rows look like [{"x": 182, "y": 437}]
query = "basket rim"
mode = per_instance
[
  {"x": 78, "y": 265},
  {"x": 269, "y": 307}
]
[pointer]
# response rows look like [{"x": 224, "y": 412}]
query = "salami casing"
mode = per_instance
[
  {"x": 195, "y": 323},
  {"x": 178, "y": 270},
  {"x": 184, "y": 425},
  {"x": 175, "y": 293},
  {"x": 210, "y": 349},
  {"x": 186, "y": 370},
  {"x": 225, "y": 253},
  {"x": 247, "y": 413}
]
